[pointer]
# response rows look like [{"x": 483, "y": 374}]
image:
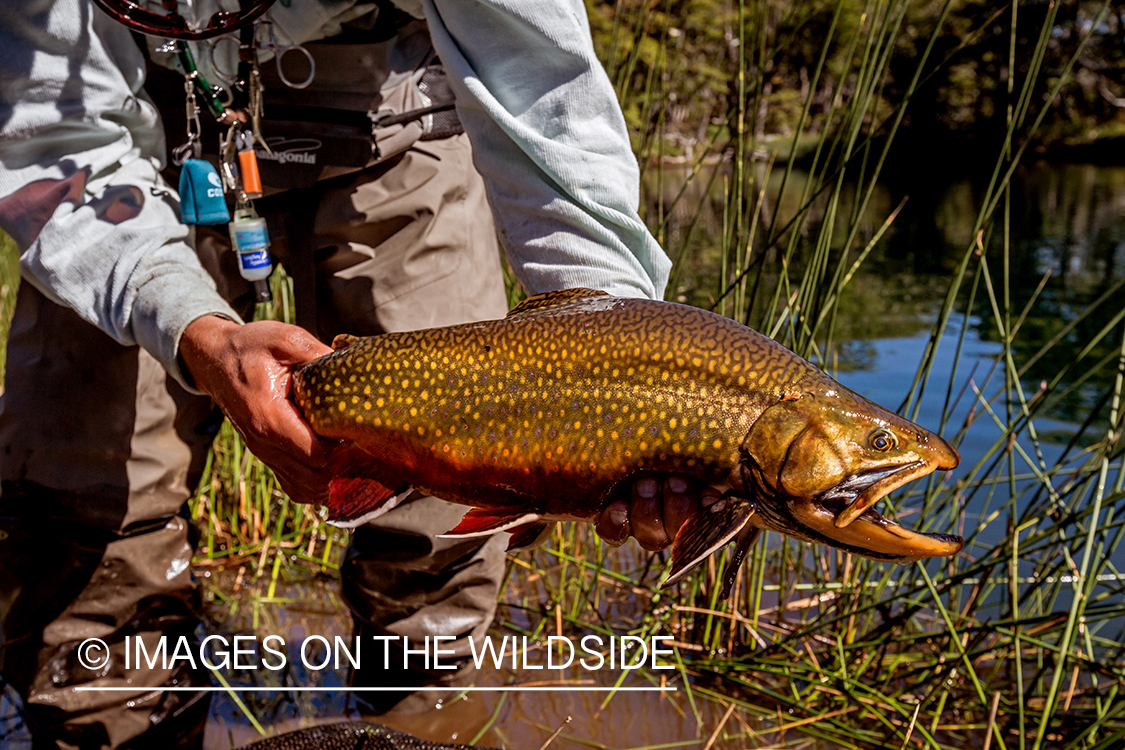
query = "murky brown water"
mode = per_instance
[{"x": 511, "y": 720}]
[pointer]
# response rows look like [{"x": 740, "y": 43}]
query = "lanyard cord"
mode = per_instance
[{"x": 203, "y": 89}]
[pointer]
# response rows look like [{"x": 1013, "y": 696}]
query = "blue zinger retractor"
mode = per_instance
[{"x": 201, "y": 194}]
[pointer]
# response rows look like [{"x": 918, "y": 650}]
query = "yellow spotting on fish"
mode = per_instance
[{"x": 542, "y": 417}]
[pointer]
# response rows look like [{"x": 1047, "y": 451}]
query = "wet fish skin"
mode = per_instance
[
  {"x": 352, "y": 736},
  {"x": 525, "y": 401},
  {"x": 542, "y": 415}
]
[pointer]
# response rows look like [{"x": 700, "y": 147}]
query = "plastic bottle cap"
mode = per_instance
[{"x": 262, "y": 291}]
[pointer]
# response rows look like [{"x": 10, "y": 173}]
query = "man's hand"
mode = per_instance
[
  {"x": 655, "y": 510},
  {"x": 246, "y": 369}
]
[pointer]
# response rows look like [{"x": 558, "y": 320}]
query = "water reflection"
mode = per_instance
[{"x": 1067, "y": 224}]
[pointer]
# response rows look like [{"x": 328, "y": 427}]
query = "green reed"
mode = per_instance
[{"x": 9, "y": 287}]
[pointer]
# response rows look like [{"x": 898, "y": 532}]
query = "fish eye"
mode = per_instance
[{"x": 882, "y": 441}]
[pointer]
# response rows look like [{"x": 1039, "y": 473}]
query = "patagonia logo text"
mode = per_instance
[{"x": 290, "y": 151}]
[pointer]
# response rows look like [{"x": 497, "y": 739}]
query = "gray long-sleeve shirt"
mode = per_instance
[{"x": 99, "y": 231}]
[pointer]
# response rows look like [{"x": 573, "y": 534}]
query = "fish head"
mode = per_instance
[{"x": 821, "y": 457}]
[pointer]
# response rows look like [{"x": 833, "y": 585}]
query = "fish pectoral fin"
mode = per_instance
[
  {"x": 343, "y": 341},
  {"x": 529, "y": 535},
  {"x": 745, "y": 540},
  {"x": 357, "y": 493},
  {"x": 481, "y": 521},
  {"x": 707, "y": 531},
  {"x": 553, "y": 299}
]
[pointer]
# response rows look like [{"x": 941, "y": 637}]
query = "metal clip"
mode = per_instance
[
  {"x": 192, "y": 147},
  {"x": 257, "y": 106},
  {"x": 228, "y": 157}
]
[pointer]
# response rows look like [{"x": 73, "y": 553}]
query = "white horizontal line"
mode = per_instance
[
  {"x": 412, "y": 689},
  {"x": 919, "y": 583}
]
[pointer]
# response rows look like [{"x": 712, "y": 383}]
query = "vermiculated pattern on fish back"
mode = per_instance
[
  {"x": 595, "y": 388},
  {"x": 352, "y": 736}
]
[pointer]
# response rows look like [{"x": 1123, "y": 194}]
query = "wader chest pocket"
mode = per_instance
[{"x": 302, "y": 151}]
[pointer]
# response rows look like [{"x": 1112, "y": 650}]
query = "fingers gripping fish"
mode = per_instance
[{"x": 542, "y": 416}]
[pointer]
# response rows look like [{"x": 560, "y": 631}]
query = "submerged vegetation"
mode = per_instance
[{"x": 1016, "y": 643}]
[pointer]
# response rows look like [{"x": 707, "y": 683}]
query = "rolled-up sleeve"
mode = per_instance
[
  {"x": 551, "y": 143},
  {"x": 80, "y": 189}
]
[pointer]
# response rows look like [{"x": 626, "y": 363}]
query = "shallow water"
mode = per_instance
[{"x": 512, "y": 720}]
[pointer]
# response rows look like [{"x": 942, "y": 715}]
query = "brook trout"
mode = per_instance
[{"x": 542, "y": 416}]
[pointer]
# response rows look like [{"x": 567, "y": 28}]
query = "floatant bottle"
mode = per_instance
[{"x": 249, "y": 237}]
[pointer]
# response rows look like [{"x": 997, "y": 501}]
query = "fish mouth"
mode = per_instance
[
  {"x": 867, "y": 531},
  {"x": 879, "y": 482}
]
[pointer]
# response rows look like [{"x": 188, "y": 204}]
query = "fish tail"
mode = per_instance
[
  {"x": 707, "y": 531},
  {"x": 356, "y": 492}
]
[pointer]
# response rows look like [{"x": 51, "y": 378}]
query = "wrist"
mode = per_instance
[{"x": 202, "y": 347}]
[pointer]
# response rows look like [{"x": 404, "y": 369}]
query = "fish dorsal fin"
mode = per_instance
[
  {"x": 553, "y": 299},
  {"x": 343, "y": 340}
]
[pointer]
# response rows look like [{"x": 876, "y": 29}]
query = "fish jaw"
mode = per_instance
[
  {"x": 870, "y": 533},
  {"x": 875, "y": 536}
]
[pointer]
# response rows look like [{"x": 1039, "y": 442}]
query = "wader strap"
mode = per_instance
[{"x": 412, "y": 115}]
